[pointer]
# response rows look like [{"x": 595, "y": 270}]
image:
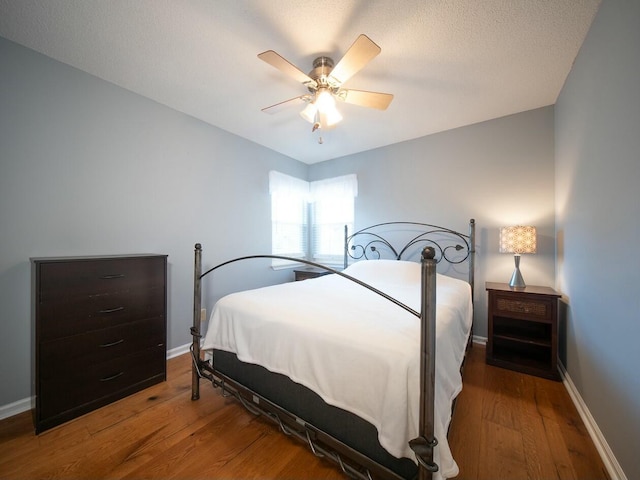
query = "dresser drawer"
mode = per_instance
[
  {"x": 70, "y": 280},
  {"x": 517, "y": 307},
  {"x": 64, "y": 317},
  {"x": 57, "y": 357},
  {"x": 81, "y": 385}
]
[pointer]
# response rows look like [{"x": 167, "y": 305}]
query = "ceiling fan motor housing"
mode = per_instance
[{"x": 322, "y": 67}]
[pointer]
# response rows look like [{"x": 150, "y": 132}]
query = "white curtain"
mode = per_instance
[
  {"x": 342, "y": 187},
  {"x": 286, "y": 185},
  {"x": 333, "y": 208},
  {"x": 289, "y": 216}
]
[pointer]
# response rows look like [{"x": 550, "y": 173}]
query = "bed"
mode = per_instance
[{"x": 346, "y": 362}]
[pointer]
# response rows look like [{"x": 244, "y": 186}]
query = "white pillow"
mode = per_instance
[{"x": 388, "y": 271}]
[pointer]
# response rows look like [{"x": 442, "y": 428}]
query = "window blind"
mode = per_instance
[
  {"x": 333, "y": 207},
  {"x": 289, "y": 216}
]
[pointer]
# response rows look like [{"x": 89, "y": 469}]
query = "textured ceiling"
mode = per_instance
[{"x": 449, "y": 63}]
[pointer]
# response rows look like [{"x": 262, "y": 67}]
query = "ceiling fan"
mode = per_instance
[{"x": 324, "y": 83}]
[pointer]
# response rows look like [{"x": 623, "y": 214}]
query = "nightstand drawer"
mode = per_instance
[{"x": 531, "y": 308}]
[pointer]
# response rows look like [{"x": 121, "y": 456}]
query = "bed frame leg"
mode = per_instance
[
  {"x": 195, "y": 329},
  {"x": 423, "y": 445}
]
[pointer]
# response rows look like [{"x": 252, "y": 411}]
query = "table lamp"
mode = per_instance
[{"x": 517, "y": 240}]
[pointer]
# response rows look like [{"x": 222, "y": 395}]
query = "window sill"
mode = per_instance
[{"x": 286, "y": 266}]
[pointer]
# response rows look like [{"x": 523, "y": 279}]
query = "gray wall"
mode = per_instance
[
  {"x": 598, "y": 224},
  {"x": 87, "y": 168},
  {"x": 90, "y": 168},
  {"x": 500, "y": 172}
]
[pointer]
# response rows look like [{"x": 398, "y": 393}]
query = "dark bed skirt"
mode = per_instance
[{"x": 306, "y": 404}]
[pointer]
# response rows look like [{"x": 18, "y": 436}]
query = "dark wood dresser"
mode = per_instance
[{"x": 100, "y": 331}]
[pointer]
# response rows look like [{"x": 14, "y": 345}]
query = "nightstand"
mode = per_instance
[
  {"x": 306, "y": 273},
  {"x": 523, "y": 329}
]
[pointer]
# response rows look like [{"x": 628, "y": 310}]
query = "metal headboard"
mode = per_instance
[{"x": 374, "y": 243}]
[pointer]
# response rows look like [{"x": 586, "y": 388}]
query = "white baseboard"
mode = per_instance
[
  {"x": 480, "y": 340},
  {"x": 608, "y": 458},
  {"x": 174, "y": 352},
  {"x": 15, "y": 408},
  {"x": 26, "y": 404}
]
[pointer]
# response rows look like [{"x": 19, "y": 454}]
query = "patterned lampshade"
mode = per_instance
[{"x": 518, "y": 239}]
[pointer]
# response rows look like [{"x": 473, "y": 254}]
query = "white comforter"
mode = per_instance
[{"x": 357, "y": 350}]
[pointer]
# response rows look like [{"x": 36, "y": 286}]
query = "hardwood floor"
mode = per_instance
[
  {"x": 506, "y": 426},
  {"x": 509, "y": 425}
]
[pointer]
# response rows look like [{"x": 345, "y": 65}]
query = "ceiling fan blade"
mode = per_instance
[
  {"x": 286, "y": 67},
  {"x": 366, "y": 99},
  {"x": 278, "y": 107},
  {"x": 359, "y": 54}
]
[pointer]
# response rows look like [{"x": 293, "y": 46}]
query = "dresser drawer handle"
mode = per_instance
[
  {"x": 112, "y": 377},
  {"x": 117, "y": 342},
  {"x": 111, "y": 310},
  {"x": 111, "y": 277}
]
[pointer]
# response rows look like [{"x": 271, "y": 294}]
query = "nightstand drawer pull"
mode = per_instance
[
  {"x": 112, "y": 377},
  {"x": 534, "y": 308},
  {"x": 111, "y": 277}
]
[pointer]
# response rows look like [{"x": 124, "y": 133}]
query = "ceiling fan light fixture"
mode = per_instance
[
  {"x": 326, "y": 105},
  {"x": 324, "y": 100},
  {"x": 322, "y": 110},
  {"x": 329, "y": 117},
  {"x": 309, "y": 112}
]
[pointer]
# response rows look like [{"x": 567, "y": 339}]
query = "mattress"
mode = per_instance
[{"x": 355, "y": 349}]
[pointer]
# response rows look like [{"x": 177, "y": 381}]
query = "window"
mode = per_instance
[
  {"x": 308, "y": 219},
  {"x": 332, "y": 208},
  {"x": 289, "y": 216}
]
